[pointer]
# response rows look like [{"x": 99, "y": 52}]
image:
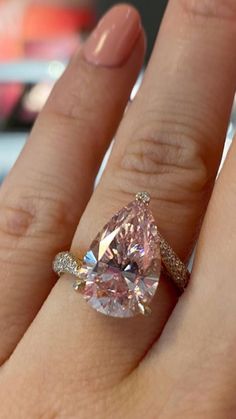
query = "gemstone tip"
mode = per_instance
[{"x": 143, "y": 197}]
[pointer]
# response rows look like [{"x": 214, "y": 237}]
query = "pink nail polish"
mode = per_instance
[{"x": 113, "y": 39}]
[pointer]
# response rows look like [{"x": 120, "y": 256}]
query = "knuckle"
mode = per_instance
[
  {"x": 68, "y": 104},
  {"x": 14, "y": 220},
  {"x": 27, "y": 214},
  {"x": 172, "y": 169},
  {"x": 210, "y": 8},
  {"x": 70, "y": 94}
]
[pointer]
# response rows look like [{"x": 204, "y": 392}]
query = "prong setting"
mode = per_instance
[
  {"x": 78, "y": 285},
  {"x": 145, "y": 310},
  {"x": 143, "y": 197}
]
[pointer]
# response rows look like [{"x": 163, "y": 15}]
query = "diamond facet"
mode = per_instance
[{"x": 122, "y": 268}]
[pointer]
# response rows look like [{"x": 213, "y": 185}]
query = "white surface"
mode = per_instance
[
  {"x": 31, "y": 71},
  {"x": 10, "y": 148}
]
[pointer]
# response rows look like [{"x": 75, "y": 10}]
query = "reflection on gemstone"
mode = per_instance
[{"x": 122, "y": 266}]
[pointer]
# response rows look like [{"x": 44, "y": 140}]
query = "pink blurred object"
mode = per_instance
[
  {"x": 55, "y": 49},
  {"x": 9, "y": 96},
  {"x": 28, "y": 29}
]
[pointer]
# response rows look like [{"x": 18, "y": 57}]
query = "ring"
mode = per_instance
[{"x": 120, "y": 273}]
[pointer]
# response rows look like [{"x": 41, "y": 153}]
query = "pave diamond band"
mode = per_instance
[
  {"x": 120, "y": 273},
  {"x": 175, "y": 268},
  {"x": 67, "y": 263}
]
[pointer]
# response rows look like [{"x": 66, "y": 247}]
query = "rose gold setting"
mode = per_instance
[{"x": 120, "y": 273}]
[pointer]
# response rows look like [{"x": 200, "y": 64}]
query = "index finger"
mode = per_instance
[{"x": 44, "y": 196}]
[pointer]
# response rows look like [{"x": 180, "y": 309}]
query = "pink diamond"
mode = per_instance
[{"x": 122, "y": 267}]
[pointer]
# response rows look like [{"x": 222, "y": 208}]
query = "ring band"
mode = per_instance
[{"x": 120, "y": 273}]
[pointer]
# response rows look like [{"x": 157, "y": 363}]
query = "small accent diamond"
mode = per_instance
[{"x": 143, "y": 197}]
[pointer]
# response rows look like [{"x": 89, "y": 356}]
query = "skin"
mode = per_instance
[{"x": 59, "y": 358}]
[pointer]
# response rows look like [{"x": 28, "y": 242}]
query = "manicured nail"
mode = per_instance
[{"x": 112, "y": 41}]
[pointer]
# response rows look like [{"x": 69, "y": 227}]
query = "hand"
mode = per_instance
[{"x": 60, "y": 358}]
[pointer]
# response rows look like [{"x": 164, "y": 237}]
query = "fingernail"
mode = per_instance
[{"x": 112, "y": 41}]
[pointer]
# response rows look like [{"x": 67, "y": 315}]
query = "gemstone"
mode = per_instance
[{"x": 122, "y": 268}]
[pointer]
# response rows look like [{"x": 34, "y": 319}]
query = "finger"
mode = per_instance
[
  {"x": 177, "y": 166},
  {"x": 207, "y": 340},
  {"x": 44, "y": 196}
]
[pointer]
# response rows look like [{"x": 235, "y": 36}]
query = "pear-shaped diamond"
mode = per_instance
[{"x": 122, "y": 267}]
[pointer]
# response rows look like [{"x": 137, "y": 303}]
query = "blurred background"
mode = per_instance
[{"x": 37, "y": 38}]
